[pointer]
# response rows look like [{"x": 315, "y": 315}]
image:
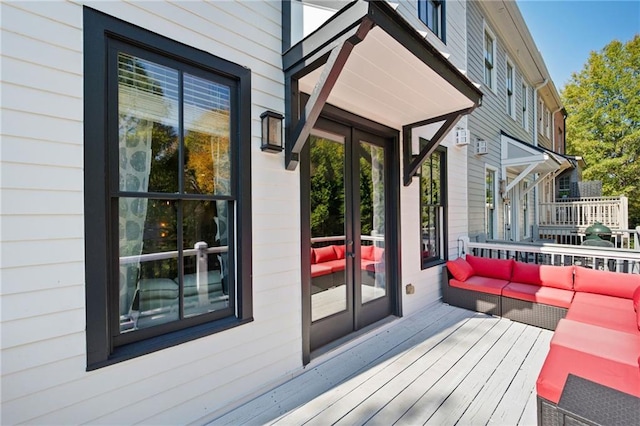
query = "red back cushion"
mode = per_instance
[
  {"x": 603, "y": 282},
  {"x": 544, "y": 275},
  {"x": 377, "y": 253},
  {"x": 460, "y": 269},
  {"x": 636, "y": 299},
  {"x": 491, "y": 268},
  {"x": 339, "y": 251},
  {"x": 325, "y": 254},
  {"x": 313, "y": 256},
  {"x": 366, "y": 252}
]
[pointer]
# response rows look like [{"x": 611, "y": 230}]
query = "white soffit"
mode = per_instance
[{"x": 385, "y": 82}]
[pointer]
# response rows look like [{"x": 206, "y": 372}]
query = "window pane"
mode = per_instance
[
  {"x": 431, "y": 207},
  {"x": 372, "y": 221},
  {"x": 148, "y": 262},
  {"x": 207, "y": 133},
  {"x": 147, "y": 125},
  {"x": 206, "y": 269}
]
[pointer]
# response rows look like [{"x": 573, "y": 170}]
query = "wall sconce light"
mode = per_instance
[{"x": 271, "y": 131}]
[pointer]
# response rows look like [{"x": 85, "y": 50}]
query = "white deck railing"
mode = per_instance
[
  {"x": 604, "y": 258},
  {"x": 621, "y": 238},
  {"x": 581, "y": 213}
]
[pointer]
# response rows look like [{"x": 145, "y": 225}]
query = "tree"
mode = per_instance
[{"x": 603, "y": 123}]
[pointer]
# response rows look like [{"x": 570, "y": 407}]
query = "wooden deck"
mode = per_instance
[{"x": 443, "y": 366}]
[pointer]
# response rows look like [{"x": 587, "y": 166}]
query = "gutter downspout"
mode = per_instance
[{"x": 536, "y": 195}]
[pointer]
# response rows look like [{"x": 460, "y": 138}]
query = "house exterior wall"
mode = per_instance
[
  {"x": 491, "y": 118},
  {"x": 44, "y": 377},
  {"x": 43, "y": 281},
  {"x": 559, "y": 133}
]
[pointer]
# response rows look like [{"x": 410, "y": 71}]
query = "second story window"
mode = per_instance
[
  {"x": 431, "y": 12},
  {"x": 489, "y": 58},
  {"x": 525, "y": 104},
  {"x": 511, "y": 110}
]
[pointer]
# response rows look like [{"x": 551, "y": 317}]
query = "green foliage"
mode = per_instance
[{"x": 603, "y": 124}]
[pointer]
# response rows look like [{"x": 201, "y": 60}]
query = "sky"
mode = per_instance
[{"x": 566, "y": 31}]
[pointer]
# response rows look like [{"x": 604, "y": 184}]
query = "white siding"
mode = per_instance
[{"x": 43, "y": 299}]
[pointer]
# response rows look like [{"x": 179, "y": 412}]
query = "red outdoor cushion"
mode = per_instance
[
  {"x": 492, "y": 268},
  {"x": 539, "y": 294},
  {"x": 339, "y": 251},
  {"x": 319, "y": 270},
  {"x": 481, "y": 284},
  {"x": 561, "y": 361},
  {"x": 336, "y": 265},
  {"x": 313, "y": 256},
  {"x": 603, "y": 282},
  {"x": 613, "y": 312},
  {"x": 366, "y": 252},
  {"x": 636, "y": 299},
  {"x": 377, "y": 253},
  {"x": 325, "y": 254},
  {"x": 460, "y": 269},
  {"x": 545, "y": 275}
]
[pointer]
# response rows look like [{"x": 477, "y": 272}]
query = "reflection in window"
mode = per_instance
[
  {"x": 432, "y": 207},
  {"x": 432, "y": 13},
  {"x": 173, "y": 250}
]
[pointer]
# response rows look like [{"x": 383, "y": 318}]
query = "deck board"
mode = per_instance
[{"x": 442, "y": 366}]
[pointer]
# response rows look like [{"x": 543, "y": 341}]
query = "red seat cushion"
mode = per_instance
[
  {"x": 481, "y": 284},
  {"x": 325, "y": 254},
  {"x": 614, "y": 345},
  {"x": 605, "y": 356},
  {"x": 319, "y": 270},
  {"x": 460, "y": 269},
  {"x": 613, "y": 312},
  {"x": 335, "y": 265},
  {"x": 603, "y": 282},
  {"x": 544, "y": 275},
  {"x": 492, "y": 268},
  {"x": 539, "y": 294},
  {"x": 562, "y": 361}
]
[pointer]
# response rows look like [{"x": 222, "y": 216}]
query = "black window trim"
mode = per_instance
[
  {"x": 422, "y": 4},
  {"x": 98, "y": 29},
  {"x": 444, "y": 256}
]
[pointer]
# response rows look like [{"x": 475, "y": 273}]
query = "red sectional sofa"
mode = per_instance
[
  {"x": 328, "y": 264},
  {"x": 596, "y": 318}
]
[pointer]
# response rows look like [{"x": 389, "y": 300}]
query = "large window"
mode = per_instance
[
  {"x": 511, "y": 104},
  {"x": 432, "y": 13},
  {"x": 167, "y": 201},
  {"x": 490, "y": 203},
  {"x": 489, "y": 58},
  {"x": 433, "y": 201}
]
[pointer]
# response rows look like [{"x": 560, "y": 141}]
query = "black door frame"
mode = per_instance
[{"x": 392, "y": 244}]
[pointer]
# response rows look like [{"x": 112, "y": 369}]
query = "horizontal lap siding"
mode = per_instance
[
  {"x": 43, "y": 310},
  {"x": 427, "y": 282},
  {"x": 487, "y": 121}
]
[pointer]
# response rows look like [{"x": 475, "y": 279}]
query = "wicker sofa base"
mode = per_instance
[
  {"x": 538, "y": 314},
  {"x": 473, "y": 300}
]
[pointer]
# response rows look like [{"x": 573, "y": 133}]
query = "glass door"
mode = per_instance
[{"x": 347, "y": 221}]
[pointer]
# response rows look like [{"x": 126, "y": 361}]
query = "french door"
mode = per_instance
[{"x": 349, "y": 283}]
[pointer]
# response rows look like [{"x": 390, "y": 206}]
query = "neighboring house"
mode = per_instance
[
  {"x": 156, "y": 263},
  {"x": 518, "y": 134}
]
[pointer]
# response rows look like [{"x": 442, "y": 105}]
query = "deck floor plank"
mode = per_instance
[{"x": 441, "y": 366}]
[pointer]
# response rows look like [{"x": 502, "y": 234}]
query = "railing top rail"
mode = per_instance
[{"x": 561, "y": 249}]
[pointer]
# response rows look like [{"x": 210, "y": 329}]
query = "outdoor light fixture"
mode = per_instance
[{"x": 271, "y": 131}]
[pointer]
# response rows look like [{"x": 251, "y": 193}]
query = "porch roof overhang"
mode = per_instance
[
  {"x": 526, "y": 159},
  {"x": 369, "y": 61}
]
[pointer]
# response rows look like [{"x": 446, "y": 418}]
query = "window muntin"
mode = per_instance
[
  {"x": 432, "y": 208},
  {"x": 511, "y": 110},
  {"x": 154, "y": 106},
  {"x": 490, "y": 203},
  {"x": 431, "y": 12},
  {"x": 489, "y": 58},
  {"x": 525, "y": 106}
]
